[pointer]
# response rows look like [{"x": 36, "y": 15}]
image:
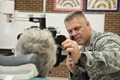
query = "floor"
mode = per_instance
[{"x": 57, "y": 78}]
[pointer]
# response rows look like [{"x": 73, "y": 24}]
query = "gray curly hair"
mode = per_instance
[{"x": 41, "y": 43}]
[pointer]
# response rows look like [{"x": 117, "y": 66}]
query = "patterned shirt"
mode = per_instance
[{"x": 103, "y": 58}]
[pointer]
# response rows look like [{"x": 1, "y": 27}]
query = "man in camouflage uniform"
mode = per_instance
[{"x": 99, "y": 56}]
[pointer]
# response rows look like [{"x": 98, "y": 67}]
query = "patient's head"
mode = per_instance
[{"x": 41, "y": 43}]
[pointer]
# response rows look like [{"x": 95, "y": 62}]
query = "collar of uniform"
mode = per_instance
[{"x": 93, "y": 39}]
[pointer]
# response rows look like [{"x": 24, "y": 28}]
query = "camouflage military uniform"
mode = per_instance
[{"x": 103, "y": 58}]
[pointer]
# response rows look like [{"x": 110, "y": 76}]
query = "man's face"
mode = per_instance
[{"x": 80, "y": 29}]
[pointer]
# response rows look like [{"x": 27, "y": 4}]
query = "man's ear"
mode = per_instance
[{"x": 88, "y": 25}]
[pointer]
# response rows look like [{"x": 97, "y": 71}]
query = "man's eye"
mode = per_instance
[
  {"x": 70, "y": 31},
  {"x": 77, "y": 29}
]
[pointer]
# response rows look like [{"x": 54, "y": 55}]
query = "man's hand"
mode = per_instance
[
  {"x": 72, "y": 48},
  {"x": 70, "y": 64}
]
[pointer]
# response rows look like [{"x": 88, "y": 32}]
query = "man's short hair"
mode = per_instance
[{"x": 73, "y": 15}]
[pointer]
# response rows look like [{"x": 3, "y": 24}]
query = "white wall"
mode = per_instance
[{"x": 9, "y": 31}]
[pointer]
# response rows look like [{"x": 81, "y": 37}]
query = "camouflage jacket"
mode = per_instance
[{"x": 103, "y": 58}]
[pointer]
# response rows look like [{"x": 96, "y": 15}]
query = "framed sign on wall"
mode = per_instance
[
  {"x": 68, "y": 5},
  {"x": 102, "y": 5}
]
